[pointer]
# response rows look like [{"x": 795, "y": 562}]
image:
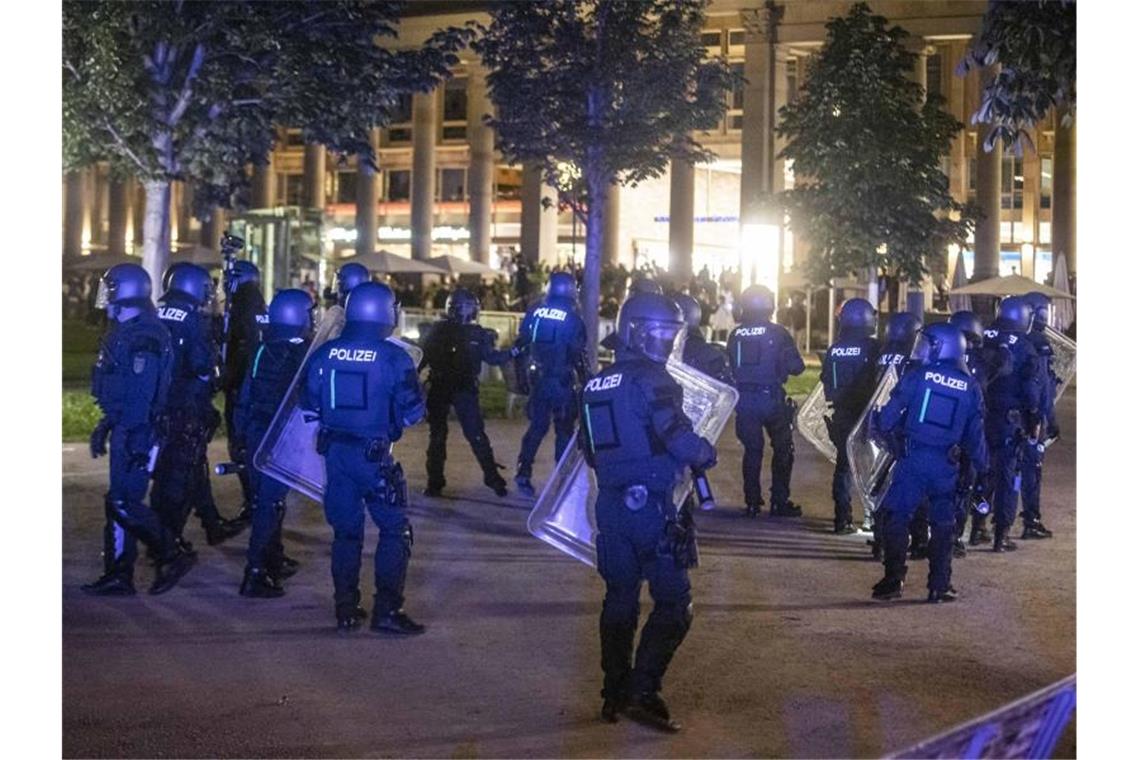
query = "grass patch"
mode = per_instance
[{"x": 80, "y": 415}]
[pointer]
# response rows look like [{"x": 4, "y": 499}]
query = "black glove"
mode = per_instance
[
  {"x": 708, "y": 455},
  {"x": 99, "y": 438},
  {"x": 1053, "y": 431}
]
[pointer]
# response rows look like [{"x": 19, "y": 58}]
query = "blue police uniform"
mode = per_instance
[
  {"x": 638, "y": 439},
  {"x": 848, "y": 376},
  {"x": 182, "y": 475},
  {"x": 762, "y": 355},
  {"x": 454, "y": 353},
  {"x": 365, "y": 391},
  {"x": 707, "y": 358},
  {"x": 130, "y": 382},
  {"x": 1033, "y": 452},
  {"x": 271, "y": 372},
  {"x": 552, "y": 344},
  {"x": 938, "y": 410},
  {"x": 248, "y": 316},
  {"x": 1013, "y": 408}
]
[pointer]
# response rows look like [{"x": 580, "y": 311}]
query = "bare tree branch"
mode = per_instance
[
  {"x": 123, "y": 145},
  {"x": 184, "y": 97}
]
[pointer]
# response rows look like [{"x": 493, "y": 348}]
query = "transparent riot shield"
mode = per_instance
[
  {"x": 563, "y": 515},
  {"x": 870, "y": 461},
  {"x": 1064, "y": 358},
  {"x": 810, "y": 422},
  {"x": 288, "y": 452}
]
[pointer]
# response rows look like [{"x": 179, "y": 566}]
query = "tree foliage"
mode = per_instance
[
  {"x": 614, "y": 88},
  {"x": 870, "y": 191},
  {"x": 193, "y": 91},
  {"x": 1035, "y": 43}
]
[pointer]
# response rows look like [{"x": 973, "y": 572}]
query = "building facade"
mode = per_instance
[{"x": 443, "y": 189}]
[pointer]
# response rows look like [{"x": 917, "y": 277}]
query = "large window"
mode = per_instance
[
  {"x": 735, "y": 115},
  {"x": 1046, "y": 182},
  {"x": 399, "y": 185},
  {"x": 345, "y": 187},
  {"x": 455, "y": 109},
  {"x": 400, "y": 130},
  {"x": 451, "y": 185},
  {"x": 934, "y": 74},
  {"x": 290, "y": 187},
  {"x": 1012, "y": 182}
]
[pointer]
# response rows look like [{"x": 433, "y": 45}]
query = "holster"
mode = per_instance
[
  {"x": 391, "y": 487},
  {"x": 680, "y": 539}
]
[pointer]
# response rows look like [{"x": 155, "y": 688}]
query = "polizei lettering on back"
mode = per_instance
[
  {"x": 956, "y": 383},
  {"x": 172, "y": 314},
  {"x": 748, "y": 332},
  {"x": 604, "y": 383},
  {"x": 353, "y": 354},
  {"x": 547, "y": 312},
  {"x": 847, "y": 351}
]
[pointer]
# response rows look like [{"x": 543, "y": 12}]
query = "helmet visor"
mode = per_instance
[{"x": 659, "y": 340}]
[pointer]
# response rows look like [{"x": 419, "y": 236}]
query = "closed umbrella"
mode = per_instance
[
  {"x": 959, "y": 303},
  {"x": 1063, "y": 311}
]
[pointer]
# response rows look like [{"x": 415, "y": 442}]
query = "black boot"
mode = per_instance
[
  {"x": 950, "y": 594},
  {"x": 650, "y": 709},
  {"x": 787, "y": 509},
  {"x": 259, "y": 584},
  {"x": 284, "y": 568},
  {"x": 493, "y": 480},
  {"x": 349, "y": 618},
  {"x": 170, "y": 571},
  {"x": 113, "y": 583},
  {"x": 522, "y": 482},
  {"x": 886, "y": 589},
  {"x": 959, "y": 548},
  {"x": 221, "y": 530},
  {"x": 1034, "y": 529},
  {"x": 1001, "y": 540},
  {"x": 398, "y": 623},
  {"x": 612, "y": 707}
]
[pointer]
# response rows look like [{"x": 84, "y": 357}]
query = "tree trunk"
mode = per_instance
[
  {"x": 156, "y": 230},
  {"x": 592, "y": 281}
]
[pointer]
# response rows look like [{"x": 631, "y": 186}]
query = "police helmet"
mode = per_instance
[
  {"x": 562, "y": 285},
  {"x": 348, "y": 277},
  {"x": 462, "y": 306},
  {"x": 757, "y": 303},
  {"x": 648, "y": 323},
  {"x": 240, "y": 273},
  {"x": 123, "y": 285},
  {"x": 643, "y": 284},
  {"x": 1041, "y": 305},
  {"x": 1015, "y": 313},
  {"x": 857, "y": 315},
  {"x": 969, "y": 324},
  {"x": 190, "y": 280},
  {"x": 691, "y": 309},
  {"x": 947, "y": 343},
  {"x": 291, "y": 307},
  {"x": 902, "y": 327},
  {"x": 373, "y": 303}
]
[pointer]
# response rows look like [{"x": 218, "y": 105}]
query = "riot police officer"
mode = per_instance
[
  {"x": 348, "y": 277},
  {"x": 902, "y": 331},
  {"x": 1013, "y": 411},
  {"x": 938, "y": 410},
  {"x": 454, "y": 352},
  {"x": 241, "y": 335},
  {"x": 365, "y": 391},
  {"x": 130, "y": 382},
  {"x": 278, "y": 358},
  {"x": 762, "y": 355},
  {"x": 698, "y": 353},
  {"x": 182, "y": 474},
  {"x": 641, "y": 283},
  {"x": 1033, "y": 452},
  {"x": 638, "y": 438},
  {"x": 848, "y": 377},
  {"x": 551, "y": 346}
]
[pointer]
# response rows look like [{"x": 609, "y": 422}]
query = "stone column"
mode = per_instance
[
  {"x": 100, "y": 177},
  {"x": 210, "y": 233},
  {"x": 1031, "y": 197},
  {"x": 611, "y": 235},
  {"x": 987, "y": 236},
  {"x": 423, "y": 172},
  {"x": 262, "y": 192},
  {"x": 681, "y": 192},
  {"x": 956, "y": 103},
  {"x": 367, "y": 195},
  {"x": 758, "y": 137},
  {"x": 917, "y": 44},
  {"x": 538, "y": 233},
  {"x": 118, "y": 210},
  {"x": 481, "y": 168},
  {"x": 73, "y": 215},
  {"x": 314, "y": 182},
  {"x": 1065, "y": 192}
]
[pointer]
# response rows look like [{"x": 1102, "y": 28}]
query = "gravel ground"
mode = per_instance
[{"x": 788, "y": 655}]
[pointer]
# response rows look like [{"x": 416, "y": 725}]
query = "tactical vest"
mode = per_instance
[
  {"x": 553, "y": 328},
  {"x": 940, "y": 405},
  {"x": 194, "y": 350},
  {"x": 705, "y": 357},
  {"x": 1019, "y": 388},
  {"x": 132, "y": 372},
  {"x": 275, "y": 364},
  {"x": 845, "y": 377},
  {"x": 454, "y": 353},
  {"x": 623, "y": 448},
  {"x": 757, "y": 355},
  {"x": 358, "y": 386}
]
